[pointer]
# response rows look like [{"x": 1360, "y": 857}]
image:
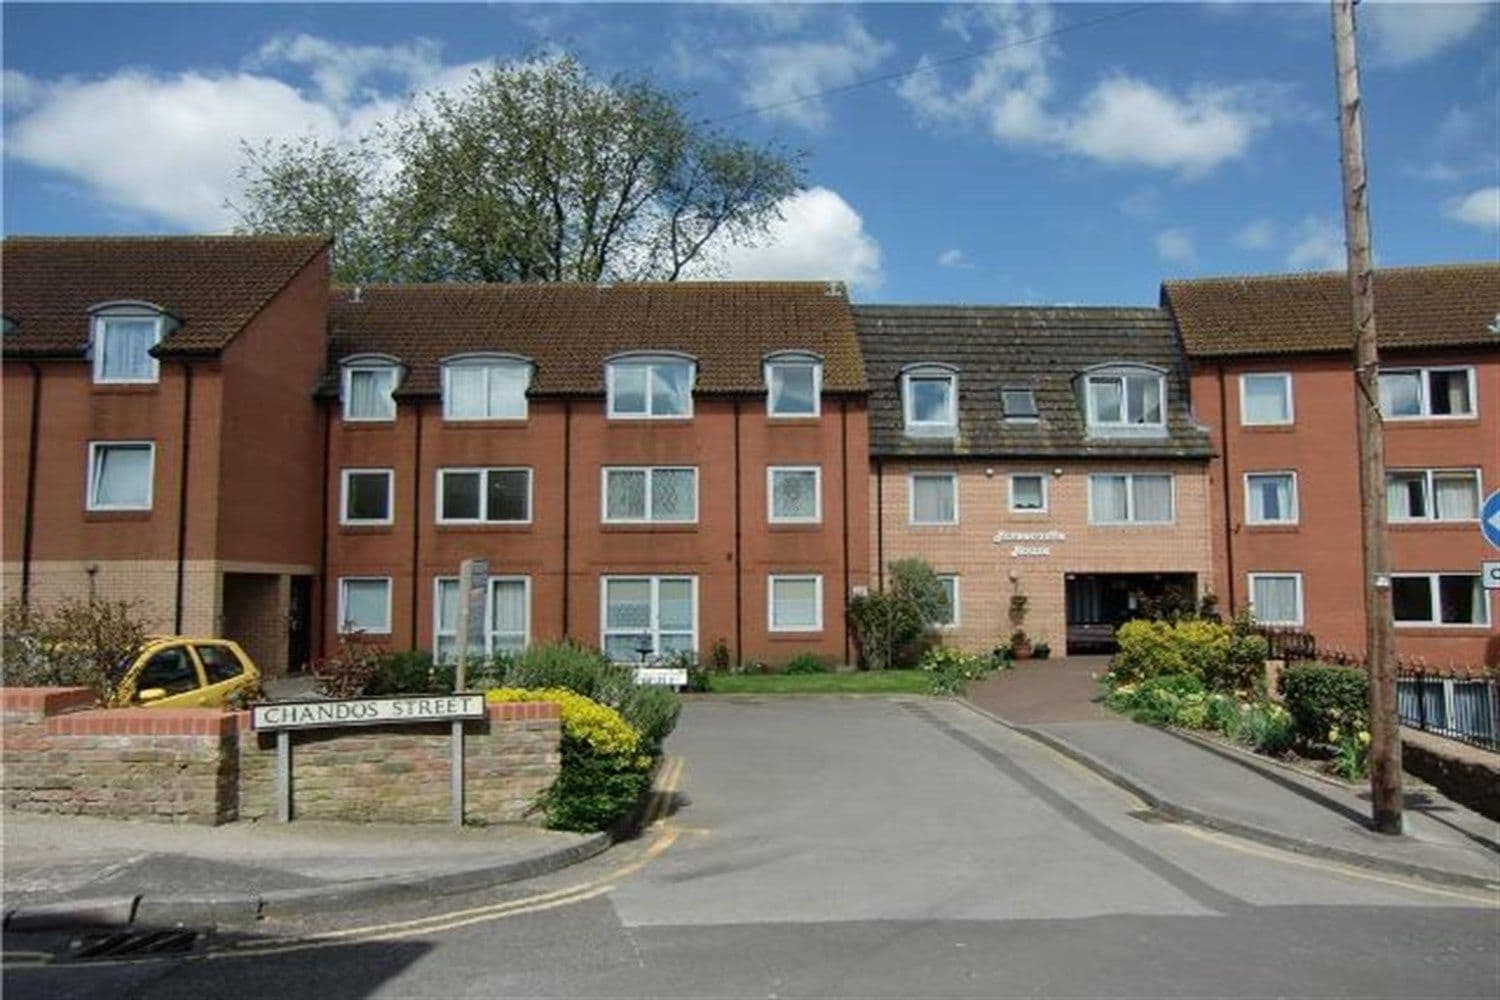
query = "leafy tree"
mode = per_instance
[
  {"x": 533, "y": 172},
  {"x": 888, "y": 623},
  {"x": 916, "y": 581}
]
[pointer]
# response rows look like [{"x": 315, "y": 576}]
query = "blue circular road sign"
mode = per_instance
[{"x": 1489, "y": 519}]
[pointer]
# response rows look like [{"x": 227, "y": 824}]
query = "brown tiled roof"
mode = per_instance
[
  {"x": 569, "y": 330},
  {"x": 1041, "y": 348},
  {"x": 213, "y": 285},
  {"x": 1447, "y": 305}
]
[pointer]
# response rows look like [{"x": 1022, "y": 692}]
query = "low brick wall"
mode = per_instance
[
  {"x": 62, "y": 755},
  {"x": 1467, "y": 775}
]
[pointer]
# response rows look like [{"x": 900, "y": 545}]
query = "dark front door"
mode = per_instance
[
  {"x": 1098, "y": 603},
  {"x": 299, "y": 624}
]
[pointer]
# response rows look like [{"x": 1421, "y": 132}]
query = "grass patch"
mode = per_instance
[{"x": 859, "y": 682}]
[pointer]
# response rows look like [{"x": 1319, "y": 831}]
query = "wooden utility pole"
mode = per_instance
[{"x": 1385, "y": 726}]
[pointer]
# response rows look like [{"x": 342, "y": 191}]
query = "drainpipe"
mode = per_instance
[
  {"x": 29, "y": 529},
  {"x": 567, "y": 532},
  {"x": 880, "y": 521},
  {"x": 739, "y": 650},
  {"x": 182, "y": 491},
  {"x": 416, "y": 525},
  {"x": 1228, "y": 522},
  {"x": 844, "y": 508},
  {"x": 320, "y": 613}
]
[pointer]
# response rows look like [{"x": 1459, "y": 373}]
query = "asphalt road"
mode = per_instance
[{"x": 851, "y": 848}]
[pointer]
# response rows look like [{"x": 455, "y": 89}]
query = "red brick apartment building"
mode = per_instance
[
  {"x": 203, "y": 426},
  {"x": 1271, "y": 378},
  {"x": 161, "y": 439}
]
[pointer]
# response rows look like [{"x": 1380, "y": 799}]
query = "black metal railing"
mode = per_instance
[
  {"x": 1290, "y": 645},
  {"x": 1460, "y": 708}
]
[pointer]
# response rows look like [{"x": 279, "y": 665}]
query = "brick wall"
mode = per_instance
[
  {"x": 150, "y": 583},
  {"x": 61, "y": 755}
]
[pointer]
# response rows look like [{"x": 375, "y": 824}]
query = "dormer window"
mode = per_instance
[
  {"x": 1018, "y": 402},
  {"x": 794, "y": 385},
  {"x": 1125, "y": 399},
  {"x": 121, "y": 340},
  {"x": 650, "y": 387},
  {"x": 929, "y": 395},
  {"x": 485, "y": 387},
  {"x": 368, "y": 387}
]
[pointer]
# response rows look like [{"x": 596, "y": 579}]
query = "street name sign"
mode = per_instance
[
  {"x": 1490, "y": 573},
  {"x": 366, "y": 711},
  {"x": 664, "y": 676},
  {"x": 1489, "y": 519}
]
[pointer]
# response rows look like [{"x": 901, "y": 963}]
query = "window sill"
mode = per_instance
[
  {"x": 794, "y": 527},
  {"x": 1469, "y": 420},
  {"x": 486, "y": 423},
  {"x": 795, "y": 420},
  {"x": 501, "y": 526},
  {"x": 117, "y": 515},
  {"x": 1268, "y": 428},
  {"x": 648, "y": 529},
  {"x": 125, "y": 388},
  {"x": 1458, "y": 526},
  {"x": 792, "y": 635},
  {"x": 367, "y": 529},
  {"x": 1288, "y": 528},
  {"x": 366, "y": 425},
  {"x": 1431, "y": 631}
]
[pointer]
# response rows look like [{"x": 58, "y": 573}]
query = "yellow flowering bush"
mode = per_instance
[{"x": 600, "y": 726}]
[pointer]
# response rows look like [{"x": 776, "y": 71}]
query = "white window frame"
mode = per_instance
[
  {"x": 1435, "y": 599},
  {"x": 1291, "y": 404},
  {"x": 343, "y": 618},
  {"x": 817, "y": 516},
  {"x": 655, "y": 629},
  {"x": 772, "y": 580},
  {"x": 390, "y": 498},
  {"x": 650, "y": 471},
  {"x": 1250, "y": 518},
  {"x": 1250, "y": 579},
  {"x": 348, "y": 367},
  {"x": 931, "y": 428},
  {"x": 1424, "y": 373},
  {"x": 648, "y": 361},
  {"x": 1124, "y": 374},
  {"x": 794, "y": 360},
  {"x": 484, "y": 494},
  {"x": 1130, "y": 520},
  {"x": 487, "y": 362},
  {"x": 1429, "y": 476},
  {"x": 92, "y": 472},
  {"x": 911, "y": 499},
  {"x": 1011, "y": 493},
  {"x": 489, "y": 611},
  {"x": 956, "y": 604},
  {"x": 99, "y": 323}
]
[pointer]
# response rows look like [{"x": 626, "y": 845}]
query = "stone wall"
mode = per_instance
[
  {"x": 62, "y": 755},
  {"x": 1467, "y": 775}
]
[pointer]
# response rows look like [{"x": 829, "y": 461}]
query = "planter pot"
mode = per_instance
[{"x": 1020, "y": 651}]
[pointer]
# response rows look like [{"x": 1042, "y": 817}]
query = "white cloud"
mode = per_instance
[
  {"x": 1256, "y": 235},
  {"x": 340, "y": 70},
  {"x": 1317, "y": 245},
  {"x": 1121, "y": 121},
  {"x": 953, "y": 258},
  {"x": 1478, "y": 208},
  {"x": 1407, "y": 32},
  {"x": 1142, "y": 203},
  {"x": 820, "y": 236},
  {"x": 1176, "y": 246}
]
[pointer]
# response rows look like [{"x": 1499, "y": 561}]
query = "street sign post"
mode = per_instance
[{"x": 1489, "y": 519}]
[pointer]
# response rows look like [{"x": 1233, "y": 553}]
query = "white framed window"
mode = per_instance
[
  {"x": 1276, "y": 598},
  {"x": 933, "y": 498},
  {"x": 122, "y": 340},
  {"x": 1432, "y": 495},
  {"x": 365, "y": 604},
  {"x": 484, "y": 387},
  {"x": 952, "y": 590},
  {"x": 656, "y": 388},
  {"x": 794, "y": 494},
  {"x": 507, "y": 616},
  {"x": 650, "y": 494},
  {"x": 1131, "y": 498},
  {"x": 484, "y": 496},
  {"x": 929, "y": 395},
  {"x": 368, "y": 389},
  {"x": 1126, "y": 400},
  {"x": 121, "y": 474},
  {"x": 367, "y": 496},
  {"x": 794, "y": 385},
  {"x": 1266, "y": 399},
  {"x": 1028, "y": 493},
  {"x": 1270, "y": 498},
  {"x": 657, "y": 614},
  {"x": 1018, "y": 402},
  {"x": 1427, "y": 393},
  {"x": 795, "y": 603},
  {"x": 1456, "y": 599}
]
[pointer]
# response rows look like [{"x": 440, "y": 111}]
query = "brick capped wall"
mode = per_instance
[{"x": 62, "y": 755}]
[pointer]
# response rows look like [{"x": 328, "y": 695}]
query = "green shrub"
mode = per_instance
[
  {"x": 1351, "y": 759},
  {"x": 947, "y": 678},
  {"x": 409, "y": 672},
  {"x": 1041, "y": 650},
  {"x": 806, "y": 663},
  {"x": 1325, "y": 700},
  {"x": 652, "y": 711},
  {"x": 915, "y": 581},
  {"x": 1157, "y": 700},
  {"x": 969, "y": 666},
  {"x": 1223, "y": 715},
  {"x": 78, "y": 643},
  {"x": 565, "y": 664},
  {"x": 1224, "y": 659},
  {"x": 349, "y": 671},
  {"x": 884, "y": 626},
  {"x": 1265, "y": 727}
]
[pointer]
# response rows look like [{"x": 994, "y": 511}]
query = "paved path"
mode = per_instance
[
  {"x": 1061, "y": 690},
  {"x": 872, "y": 847}
]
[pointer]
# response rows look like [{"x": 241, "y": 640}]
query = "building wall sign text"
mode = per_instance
[{"x": 1022, "y": 543}]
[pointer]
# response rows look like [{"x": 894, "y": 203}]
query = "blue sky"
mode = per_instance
[{"x": 1177, "y": 140}]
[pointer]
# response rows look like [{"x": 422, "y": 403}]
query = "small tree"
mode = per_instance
[
  {"x": 79, "y": 642},
  {"x": 887, "y": 624},
  {"x": 915, "y": 581}
]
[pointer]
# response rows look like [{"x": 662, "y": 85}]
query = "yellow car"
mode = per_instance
[{"x": 182, "y": 672}]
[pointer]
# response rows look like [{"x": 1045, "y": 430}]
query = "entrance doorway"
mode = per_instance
[
  {"x": 1098, "y": 603},
  {"x": 299, "y": 624}
]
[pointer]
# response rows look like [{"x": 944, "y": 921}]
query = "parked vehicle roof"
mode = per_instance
[{"x": 1436, "y": 306}]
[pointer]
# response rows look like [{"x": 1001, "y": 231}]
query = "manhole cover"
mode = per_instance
[{"x": 135, "y": 943}]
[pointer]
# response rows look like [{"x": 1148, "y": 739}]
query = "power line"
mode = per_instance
[{"x": 928, "y": 67}]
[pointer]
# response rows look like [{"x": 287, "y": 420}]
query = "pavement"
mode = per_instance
[
  {"x": 1206, "y": 782},
  {"x": 79, "y": 871}
]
